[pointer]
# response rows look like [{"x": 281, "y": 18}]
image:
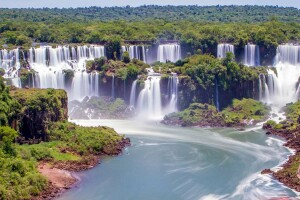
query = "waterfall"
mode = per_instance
[
  {"x": 223, "y": 49},
  {"x": 10, "y": 62},
  {"x": 172, "y": 94},
  {"x": 133, "y": 94},
  {"x": 252, "y": 56},
  {"x": 168, "y": 52},
  {"x": 113, "y": 87},
  {"x": 264, "y": 92},
  {"x": 138, "y": 52},
  {"x": 149, "y": 99},
  {"x": 271, "y": 85},
  {"x": 50, "y": 63},
  {"x": 217, "y": 95},
  {"x": 285, "y": 81},
  {"x": 96, "y": 84}
]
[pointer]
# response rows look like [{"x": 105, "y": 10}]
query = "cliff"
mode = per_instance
[{"x": 40, "y": 107}]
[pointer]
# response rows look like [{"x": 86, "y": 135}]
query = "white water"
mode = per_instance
[
  {"x": 149, "y": 100},
  {"x": 252, "y": 56},
  {"x": 10, "y": 62},
  {"x": 264, "y": 92},
  {"x": 113, "y": 87},
  {"x": 133, "y": 94},
  {"x": 287, "y": 64},
  {"x": 168, "y": 52},
  {"x": 172, "y": 94},
  {"x": 223, "y": 49},
  {"x": 50, "y": 63}
]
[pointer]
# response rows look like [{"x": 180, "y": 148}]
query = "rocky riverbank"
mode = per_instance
[
  {"x": 288, "y": 129},
  {"x": 289, "y": 174}
]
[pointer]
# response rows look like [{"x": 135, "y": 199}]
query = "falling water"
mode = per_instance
[
  {"x": 217, "y": 95},
  {"x": 138, "y": 52},
  {"x": 149, "y": 99},
  {"x": 287, "y": 65},
  {"x": 264, "y": 92},
  {"x": 168, "y": 52},
  {"x": 10, "y": 62},
  {"x": 113, "y": 87},
  {"x": 172, "y": 93},
  {"x": 271, "y": 85},
  {"x": 223, "y": 49},
  {"x": 133, "y": 94},
  {"x": 260, "y": 89},
  {"x": 252, "y": 56}
]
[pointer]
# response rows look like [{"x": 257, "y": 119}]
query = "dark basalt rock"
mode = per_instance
[{"x": 266, "y": 171}]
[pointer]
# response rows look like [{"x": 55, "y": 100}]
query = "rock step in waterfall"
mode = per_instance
[
  {"x": 148, "y": 103},
  {"x": 138, "y": 52},
  {"x": 223, "y": 49},
  {"x": 168, "y": 52},
  {"x": 252, "y": 55}
]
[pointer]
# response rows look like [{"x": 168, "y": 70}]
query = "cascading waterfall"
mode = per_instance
[
  {"x": 133, "y": 94},
  {"x": 138, "y": 52},
  {"x": 149, "y": 100},
  {"x": 113, "y": 87},
  {"x": 223, "y": 49},
  {"x": 172, "y": 93},
  {"x": 264, "y": 92},
  {"x": 168, "y": 52},
  {"x": 252, "y": 55},
  {"x": 285, "y": 80},
  {"x": 50, "y": 63},
  {"x": 10, "y": 62}
]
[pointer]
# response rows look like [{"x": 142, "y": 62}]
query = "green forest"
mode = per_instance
[
  {"x": 152, "y": 12},
  {"x": 198, "y": 26}
]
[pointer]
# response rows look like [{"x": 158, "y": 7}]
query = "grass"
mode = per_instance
[{"x": 47, "y": 150}]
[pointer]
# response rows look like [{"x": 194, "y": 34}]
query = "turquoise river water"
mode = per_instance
[{"x": 175, "y": 163}]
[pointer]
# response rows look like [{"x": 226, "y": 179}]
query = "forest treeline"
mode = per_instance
[
  {"x": 266, "y": 26},
  {"x": 247, "y": 14}
]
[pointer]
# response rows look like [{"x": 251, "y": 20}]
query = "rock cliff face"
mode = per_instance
[
  {"x": 39, "y": 108},
  {"x": 190, "y": 92}
]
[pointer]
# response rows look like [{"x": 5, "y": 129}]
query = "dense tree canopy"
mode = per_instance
[{"x": 152, "y": 12}]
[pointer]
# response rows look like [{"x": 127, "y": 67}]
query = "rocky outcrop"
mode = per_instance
[
  {"x": 240, "y": 113},
  {"x": 289, "y": 174}
]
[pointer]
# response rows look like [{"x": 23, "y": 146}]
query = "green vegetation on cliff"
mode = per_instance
[
  {"x": 240, "y": 113},
  {"x": 9, "y": 107},
  {"x": 40, "y": 118},
  {"x": 201, "y": 75},
  {"x": 40, "y": 107}
]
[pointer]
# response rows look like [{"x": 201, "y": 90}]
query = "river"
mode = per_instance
[{"x": 174, "y": 163}]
